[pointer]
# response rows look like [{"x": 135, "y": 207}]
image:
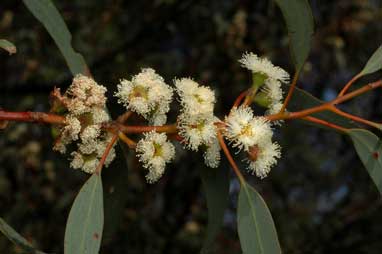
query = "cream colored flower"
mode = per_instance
[
  {"x": 244, "y": 130},
  {"x": 84, "y": 94},
  {"x": 195, "y": 99},
  {"x": 212, "y": 154},
  {"x": 263, "y": 157},
  {"x": 262, "y": 65},
  {"x": 146, "y": 94},
  {"x": 69, "y": 133},
  {"x": 196, "y": 130},
  {"x": 154, "y": 151}
]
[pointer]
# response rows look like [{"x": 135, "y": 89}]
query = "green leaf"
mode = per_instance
[
  {"x": 216, "y": 186},
  {"x": 8, "y": 46},
  {"x": 16, "y": 238},
  {"x": 374, "y": 64},
  {"x": 303, "y": 100},
  {"x": 257, "y": 231},
  {"x": 84, "y": 227},
  {"x": 48, "y": 15},
  {"x": 299, "y": 19},
  {"x": 369, "y": 150}
]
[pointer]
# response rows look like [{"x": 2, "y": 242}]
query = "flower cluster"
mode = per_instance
[
  {"x": 273, "y": 77},
  {"x": 253, "y": 134},
  {"x": 146, "y": 94},
  {"x": 196, "y": 123},
  {"x": 84, "y": 106}
]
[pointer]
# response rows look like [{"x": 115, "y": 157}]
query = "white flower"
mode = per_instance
[
  {"x": 90, "y": 133},
  {"x": 158, "y": 119},
  {"x": 90, "y": 153},
  {"x": 145, "y": 94},
  {"x": 99, "y": 115},
  {"x": 154, "y": 151},
  {"x": 90, "y": 165},
  {"x": 196, "y": 130},
  {"x": 212, "y": 154},
  {"x": 262, "y": 157},
  {"x": 87, "y": 164},
  {"x": 262, "y": 65},
  {"x": 69, "y": 133},
  {"x": 77, "y": 161},
  {"x": 195, "y": 99},
  {"x": 84, "y": 94},
  {"x": 274, "y": 108},
  {"x": 244, "y": 130},
  {"x": 273, "y": 90}
]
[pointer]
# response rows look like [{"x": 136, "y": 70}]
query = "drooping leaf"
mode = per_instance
[
  {"x": 374, "y": 64},
  {"x": 48, "y": 15},
  {"x": 17, "y": 239},
  {"x": 369, "y": 150},
  {"x": 216, "y": 187},
  {"x": 8, "y": 46},
  {"x": 84, "y": 227},
  {"x": 299, "y": 19},
  {"x": 303, "y": 100},
  {"x": 256, "y": 228}
]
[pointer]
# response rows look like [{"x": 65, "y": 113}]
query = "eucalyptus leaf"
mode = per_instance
[
  {"x": 17, "y": 239},
  {"x": 257, "y": 231},
  {"x": 48, "y": 15},
  {"x": 84, "y": 227},
  {"x": 369, "y": 150},
  {"x": 8, "y": 46},
  {"x": 374, "y": 64},
  {"x": 299, "y": 19},
  {"x": 216, "y": 186}
]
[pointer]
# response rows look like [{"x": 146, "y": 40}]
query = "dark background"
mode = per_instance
[{"x": 320, "y": 196}]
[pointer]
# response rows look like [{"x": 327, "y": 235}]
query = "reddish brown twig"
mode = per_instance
[
  {"x": 105, "y": 154},
  {"x": 229, "y": 157},
  {"x": 324, "y": 123},
  {"x": 28, "y": 116}
]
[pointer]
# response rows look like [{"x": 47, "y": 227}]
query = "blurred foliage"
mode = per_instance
[{"x": 320, "y": 196}]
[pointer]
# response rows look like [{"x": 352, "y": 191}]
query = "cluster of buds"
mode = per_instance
[
  {"x": 147, "y": 95},
  {"x": 83, "y": 105}
]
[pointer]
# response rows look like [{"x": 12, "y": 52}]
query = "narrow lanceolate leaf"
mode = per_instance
[
  {"x": 48, "y": 15},
  {"x": 369, "y": 149},
  {"x": 216, "y": 187},
  {"x": 299, "y": 19},
  {"x": 257, "y": 231},
  {"x": 8, "y": 46},
  {"x": 374, "y": 64},
  {"x": 16, "y": 238},
  {"x": 84, "y": 227}
]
